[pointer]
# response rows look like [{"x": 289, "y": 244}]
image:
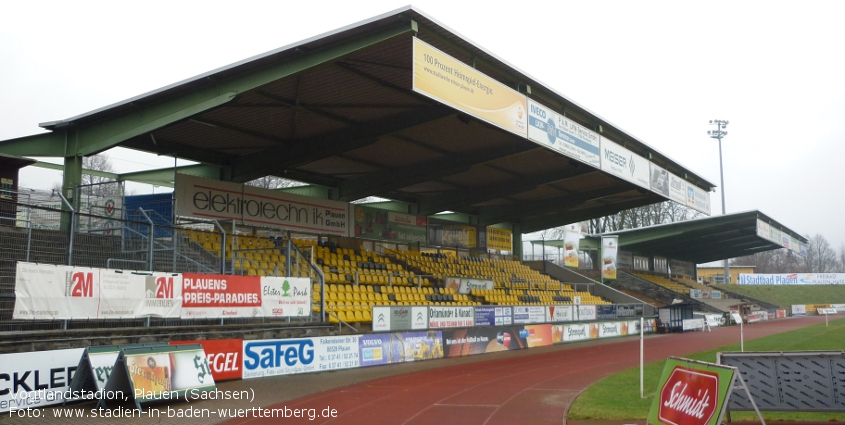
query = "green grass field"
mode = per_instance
[
  {"x": 786, "y": 295},
  {"x": 618, "y": 396}
]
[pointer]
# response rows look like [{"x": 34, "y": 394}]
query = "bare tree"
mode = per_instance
[
  {"x": 94, "y": 185},
  {"x": 649, "y": 215},
  {"x": 821, "y": 258},
  {"x": 273, "y": 182}
]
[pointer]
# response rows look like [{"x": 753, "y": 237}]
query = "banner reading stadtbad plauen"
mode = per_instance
[
  {"x": 792, "y": 279},
  {"x": 206, "y": 198},
  {"x": 47, "y": 291}
]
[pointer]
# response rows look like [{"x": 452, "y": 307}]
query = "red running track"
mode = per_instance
[{"x": 533, "y": 389}]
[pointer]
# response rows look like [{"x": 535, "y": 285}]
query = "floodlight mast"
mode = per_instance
[{"x": 718, "y": 134}]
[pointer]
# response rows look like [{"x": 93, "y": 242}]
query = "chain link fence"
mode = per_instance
[{"x": 101, "y": 233}]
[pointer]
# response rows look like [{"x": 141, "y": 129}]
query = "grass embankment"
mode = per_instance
[
  {"x": 618, "y": 396},
  {"x": 785, "y": 296}
]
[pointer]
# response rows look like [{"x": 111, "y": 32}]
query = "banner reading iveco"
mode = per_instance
[
  {"x": 454, "y": 83},
  {"x": 372, "y": 223},
  {"x": 552, "y": 130},
  {"x": 609, "y": 247},
  {"x": 205, "y": 198}
]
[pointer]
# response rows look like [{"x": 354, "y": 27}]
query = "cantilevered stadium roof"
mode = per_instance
[
  {"x": 705, "y": 239},
  {"x": 340, "y": 111}
]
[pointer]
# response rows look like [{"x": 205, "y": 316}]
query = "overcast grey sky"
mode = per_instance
[{"x": 659, "y": 70}]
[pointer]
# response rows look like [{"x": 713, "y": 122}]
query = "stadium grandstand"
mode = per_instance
[{"x": 421, "y": 159}]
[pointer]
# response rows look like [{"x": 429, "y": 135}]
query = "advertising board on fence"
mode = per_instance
[
  {"x": 205, "y": 198},
  {"x": 398, "y": 347},
  {"x": 529, "y": 314},
  {"x": 799, "y": 310},
  {"x": 214, "y": 296},
  {"x": 471, "y": 341},
  {"x": 271, "y": 357},
  {"x": 399, "y": 318},
  {"x": 450, "y": 317},
  {"x": 223, "y": 355},
  {"x": 792, "y": 279},
  {"x": 160, "y": 372},
  {"x": 493, "y": 315},
  {"x": 36, "y": 379},
  {"x": 46, "y": 291},
  {"x": 585, "y": 312},
  {"x": 464, "y": 285},
  {"x": 559, "y": 313},
  {"x": 454, "y": 83}
]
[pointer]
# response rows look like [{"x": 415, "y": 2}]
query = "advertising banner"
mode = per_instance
[
  {"x": 610, "y": 329},
  {"x": 605, "y": 312},
  {"x": 554, "y": 131},
  {"x": 692, "y": 324},
  {"x": 450, "y": 317},
  {"x": 585, "y": 312},
  {"x": 36, "y": 379},
  {"x": 659, "y": 180},
  {"x": 454, "y": 83},
  {"x": 499, "y": 240},
  {"x": 452, "y": 235},
  {"x": 162, "y": 372},
  {"x": 372, "y": 223},
  {"x": 571, "y": 240},
  {"x": 538, "y": 335},
  {"x": 609, "y": 247},
  {"x": 624, "y": 164},
  {"x": 46, "y": 291},
  {"x": 223, "y": 356},
  {"x": 570, "y": 333},
  {"x": 677, "y": 189},
  {"x": 216, "y": 296},
  {"x": 493, "y": 316},
  {"x": 205, "y": 198},
  {"x": 629, "y": 310},
  {"x": 691, "y": 393},
  {"x": 698, "y": 199},
  {"x": 559, "y": 313},
  {"x": 285, "y": 296},
  {"x": 271, "y": 357},
  {"x": 399, "y": 318},
  {"x": 468, "y": 342},
  {"x": 529, "y": 314},
  {"x": 464, "y": 285},
  {"x": 398, "y": 347},
  {"x": 792, "y": 279}
]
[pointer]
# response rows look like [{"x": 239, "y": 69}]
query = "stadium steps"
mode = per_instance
[{"x": 631, "y": 282}]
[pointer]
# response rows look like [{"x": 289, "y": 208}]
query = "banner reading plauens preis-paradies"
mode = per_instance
[
  {"x": 454, "y": 83},
  {"x": 36, "y": 379},
  {"x": 691, "y": 393},
  {"x": 270, "y": 357},
  {"x": 220, "y": 296},
  {"x": 205, "y": 198},
  {"x": 47, "y": 291}
]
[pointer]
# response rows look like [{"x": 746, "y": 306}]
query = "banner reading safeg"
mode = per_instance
[{"x": 450, "y": 81}]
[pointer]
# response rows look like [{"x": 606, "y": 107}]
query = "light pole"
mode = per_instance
[{"x": 718, "y": 134}]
